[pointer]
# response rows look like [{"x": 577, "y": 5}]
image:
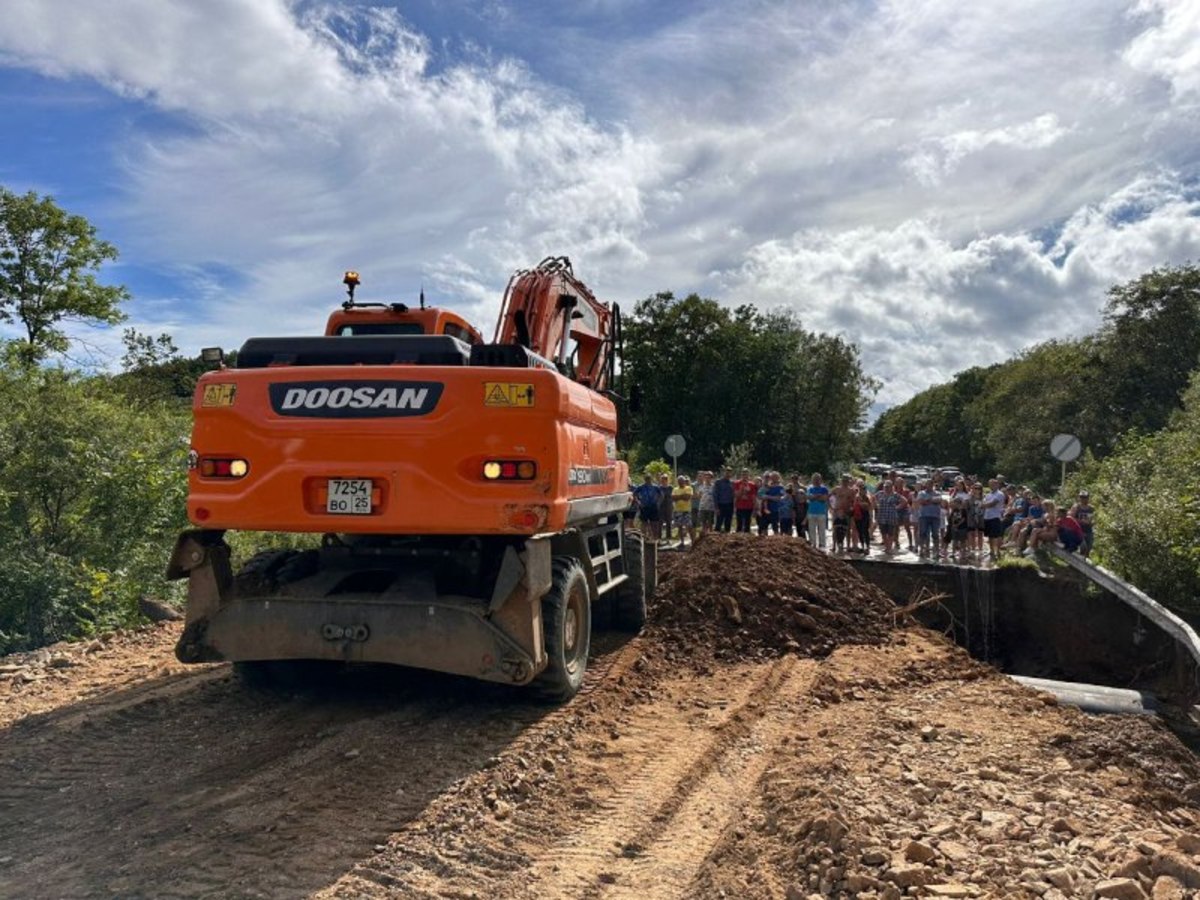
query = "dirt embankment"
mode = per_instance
[{"x": 754, "y": 755}]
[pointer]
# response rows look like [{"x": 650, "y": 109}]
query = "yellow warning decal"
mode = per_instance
[
  {"x": 503, "y": 393},
  {"x": 218, "y": 394}
]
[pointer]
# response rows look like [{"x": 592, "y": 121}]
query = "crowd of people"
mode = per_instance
[{"x": 952, "y": 517}]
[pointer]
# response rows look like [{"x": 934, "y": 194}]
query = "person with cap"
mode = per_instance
[{"x": 1082, "y": 512}]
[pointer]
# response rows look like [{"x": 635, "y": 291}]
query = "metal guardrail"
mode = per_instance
[{"x": 1180, "y": 630}]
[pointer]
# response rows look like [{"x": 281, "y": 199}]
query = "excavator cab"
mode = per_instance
[{"x": 375, "y": 319}]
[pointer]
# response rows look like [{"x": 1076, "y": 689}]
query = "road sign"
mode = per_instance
[
  {"x": 1066, "y": 448},
  {"x": 675, "y": 445}
]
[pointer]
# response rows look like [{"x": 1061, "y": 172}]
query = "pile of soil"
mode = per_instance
[{"x": 744, "y": 597}]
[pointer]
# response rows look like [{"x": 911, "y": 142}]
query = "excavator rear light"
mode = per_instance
[
  {"x": 509, "y": 470},
  {"x": 211, "y": 467}
]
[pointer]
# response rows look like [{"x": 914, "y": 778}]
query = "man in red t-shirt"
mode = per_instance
[{"x": 745, "y": 496}]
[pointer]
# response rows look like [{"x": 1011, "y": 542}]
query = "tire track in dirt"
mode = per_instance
[
  {"x": 634, "y": 815},
  {"x": 193, "y": 785},
  {"x": 643, "y": 848}
]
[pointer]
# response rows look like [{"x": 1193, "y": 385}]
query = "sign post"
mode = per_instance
[
  {"x": 1065, "y": 448},
  {"x": 675, "y": 445}
]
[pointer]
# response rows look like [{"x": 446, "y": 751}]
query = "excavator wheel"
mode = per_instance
[
  {"x": 567, "y": 622},
  {"x": 629, "y": 613}
]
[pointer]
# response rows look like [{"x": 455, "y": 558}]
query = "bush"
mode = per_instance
[
  {"x": 92, "y": 493},
  {"x": 1147, "y": 501}
]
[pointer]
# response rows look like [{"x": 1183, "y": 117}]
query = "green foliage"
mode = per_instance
[
  {"x": 47, "y": 263},
  {"x": 1024, "y": 403},
  {"x": 656, "y": 468},
  {"x": 722, "y": 377},
  {"x": 1147, "y": 500},
  {"x": 154, "y": 371},
  {"x": 92, "y": 494},
  {"x": 1149, "y": 346},
  {"x": 740, "y": 458},
  {"x": 1015, "y": 562}
]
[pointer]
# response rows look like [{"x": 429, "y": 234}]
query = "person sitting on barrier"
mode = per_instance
[
  {"x": 1082, "y": 512},
  {"x": 1039, "y": 531},
  {"x": 1035, "y": 514},
  {"x": 1070, "y": 532}
]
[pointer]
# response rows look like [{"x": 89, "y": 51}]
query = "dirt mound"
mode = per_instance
[{"x": 742, "y": 596}]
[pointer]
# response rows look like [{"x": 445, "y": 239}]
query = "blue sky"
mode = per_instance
[{"x": 942, "y": 182}]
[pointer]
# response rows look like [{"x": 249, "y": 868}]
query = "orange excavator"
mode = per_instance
[{"x": 469, "y": 495}]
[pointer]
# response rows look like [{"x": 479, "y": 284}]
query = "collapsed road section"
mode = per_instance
[{"x": 714, "y": 755}]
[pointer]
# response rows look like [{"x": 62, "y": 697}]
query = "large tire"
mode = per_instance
[
  {"x": 567, "y": 630},
  {"x": 258, "y": 575},
  {"x": 629, "y": 612}
]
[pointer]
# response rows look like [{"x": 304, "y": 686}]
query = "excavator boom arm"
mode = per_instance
[{"x": 552, "y": 313}]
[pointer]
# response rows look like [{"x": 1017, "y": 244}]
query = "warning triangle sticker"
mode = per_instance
[{"x": 497, "y": 396}]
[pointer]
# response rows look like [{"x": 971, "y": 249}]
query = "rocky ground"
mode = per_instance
[{"x": 713, "y": 756}]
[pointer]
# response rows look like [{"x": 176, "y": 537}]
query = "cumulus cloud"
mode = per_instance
[
  {"x": 938, "y": 157},
  {"x": 923, "y": 306},
  {"x": 1170, "y": 49},
  {"x": 943, "y": 188}
]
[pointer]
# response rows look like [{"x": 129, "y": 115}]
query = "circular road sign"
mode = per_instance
[
  {"x": 1065, "y": 447},
  {"x": 675, "y": 445}
]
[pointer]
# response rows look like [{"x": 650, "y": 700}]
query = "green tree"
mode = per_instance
[
  {"x": 722, "y": 376},
  {"x": 48, "y": 261},
  {"x": 1149, "y": 346}
]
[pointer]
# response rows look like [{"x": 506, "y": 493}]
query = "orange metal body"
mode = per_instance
[
  {"x": 430, "y": 320},
  {"x": 426, "y": 470}
]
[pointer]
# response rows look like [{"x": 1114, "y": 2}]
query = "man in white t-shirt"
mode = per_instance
[{"x": 993, "y": 517}]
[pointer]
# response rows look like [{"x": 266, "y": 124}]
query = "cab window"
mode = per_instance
[
  {"x": 457, "y": 331},
  {"x": 377, "y": 328}
]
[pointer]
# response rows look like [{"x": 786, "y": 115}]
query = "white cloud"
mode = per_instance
[
  {"x": 924, "y": 306},
  {"x": 1171, "y": 48},
  {"x": 891, "y": 169},
  {"x": 938, "y": 157}
]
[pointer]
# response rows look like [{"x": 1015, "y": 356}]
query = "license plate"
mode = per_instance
[{"x": 349, "y": 497}]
